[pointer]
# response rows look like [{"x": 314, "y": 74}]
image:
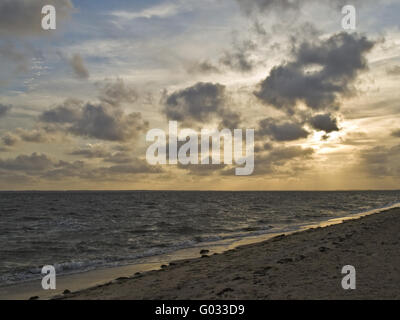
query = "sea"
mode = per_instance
[{"x": 82, "y": 231}]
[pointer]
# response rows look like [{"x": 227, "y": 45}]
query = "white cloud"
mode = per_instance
[{"x": 163, "y": 10}]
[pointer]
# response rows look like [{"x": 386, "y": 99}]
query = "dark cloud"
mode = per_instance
[
  {"x": 200, "y": 103},
  {"x": 64, "y": 169},
  {"x": 78, "y": 66},
  {"x": 324, "y": 122},
  {"x": 104, "y": 120},
  {"x": 10, "y": 139},
  {"x": 68, "y": 112},
  {"x": 98, "y": 121},
  {"x": 196, "y": 103},
  {"x": 396, "y": 133},
  {"x": 23, "y": 17},
  {"x": 79, "y": 169},
  {"x": 393, "y": 71},
  {"x": 260, "y": 147},
  {"x": 4, "y": 109},
  {"x": 40, "y": 166},
  {"x": 319, "y": 73},
  {"x": 285, "y": 131},
  {"x": 27, "y": 163}
]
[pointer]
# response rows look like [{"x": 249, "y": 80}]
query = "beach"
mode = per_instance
[{"x": 302, "y": 265}]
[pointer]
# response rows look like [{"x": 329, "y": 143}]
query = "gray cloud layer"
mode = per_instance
[
  {"x": 200, "y": 103},
  {"x": 286, "y": 131},
  {"x": 324, "y": 122},
  {"x": 105, "y": 120},
  {"x": 337, "y": 62},
  {"x": 95, "y": 121},
  {"x": 41, "y": 166}
]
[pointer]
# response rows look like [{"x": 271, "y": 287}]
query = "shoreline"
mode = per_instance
[
  {"x": 302, "y": 265},
  {"x": 90, "y": 280}
]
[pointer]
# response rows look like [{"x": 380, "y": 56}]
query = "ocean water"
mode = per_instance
[{"x": 79, "y": 231}]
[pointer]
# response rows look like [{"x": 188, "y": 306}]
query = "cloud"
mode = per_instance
[
  {"x": 393, "y": 71},
  {"x": 203, "y": 170},
  {"x": 119, "y": 158},
  {"x": 283, "y": 161},
  {"x": 4, "y": 109},
  {"x": 78, "y": 66},
  {"x": 28, "y": 163},
  {"x": 81, "y": 170},
  {"x": 239, "y": 58},
  {"x": 91, "y": 151},
  {"x": 69, "y": 112},
  {"x": 249, "y": 6},
  {"x": 163, "y": 10},
  {"x": 380, "y": 162},
  {"x": 201, "y": 102},
  {"x": 324, "y": 122},
  {"x": 203, "y": 67},
  {"x": 98, "y": 121},
  {"x": 116, "y": 92},
  {"x": 34, "y": 136},
  {"x": 40, "y": 166},
  {"x": 318, "y": 74},
  {"x": 105, "y": 120},
  {"x": 396, "y": 133},
  {"x": 10, "y": 139},
  {"x": 23, "y": 17},
  {"x": 138, "y": 166},
  {"x": 286, "y": 131},
  {"x": 100, "y": 151},
  {"x": 265, "y": 6}
]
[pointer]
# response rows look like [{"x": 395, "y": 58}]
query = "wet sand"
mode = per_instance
[{"x": 302, "y": 265}]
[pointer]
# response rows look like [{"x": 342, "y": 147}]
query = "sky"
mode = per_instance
[{"x": 77, "y": 102}]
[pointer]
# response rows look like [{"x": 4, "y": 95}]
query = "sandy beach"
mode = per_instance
[{"x": 302, "y": 265}]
